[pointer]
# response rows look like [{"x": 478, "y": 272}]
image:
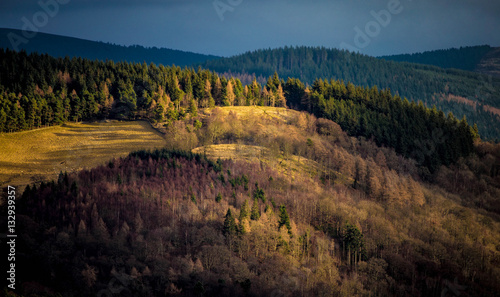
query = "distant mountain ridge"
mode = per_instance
[
  {"x": 490, "y": 63},
  {"x": 482, "y": 58},
  {"x": 464, "y": 93},
  {"x": 62, "y": 46}
]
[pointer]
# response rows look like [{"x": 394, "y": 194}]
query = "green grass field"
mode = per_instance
[{"x": 37, "y": 155}]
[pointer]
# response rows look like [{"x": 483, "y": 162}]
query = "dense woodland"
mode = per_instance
[
  {"x": 393, "y": 122},
  {"x": 40, "y": 90},
  {"x": 445, "y": 88}
]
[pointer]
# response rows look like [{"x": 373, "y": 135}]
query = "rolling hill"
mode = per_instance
[
  {"x": 62, "y": 46},
  {"x": 357, "y": 193},
  {"x": 464, "y": 93},
  {"x": 352, "y": 219}
]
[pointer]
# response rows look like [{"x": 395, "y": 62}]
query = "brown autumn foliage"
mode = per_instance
[{"x": 365, "y": 225}]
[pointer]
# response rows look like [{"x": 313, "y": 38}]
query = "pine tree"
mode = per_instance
[
  {"x": 284, "y": 219},
  {"x": 353, "y": 240},
  {"x": 188, "y": 87},
  {"x": 258, "y": 193},
  {"x": 255, "y": 214},
  {"x": 244, "y": 211},
  {"x": 229, "y": 224},
  {"x": 217, "y": 91},
  {"x": 208, "y": 100},
  {"x": 268, "y": 97},
  {"x": 193, "y": 109},
  {"x": 243, "y": 218}
]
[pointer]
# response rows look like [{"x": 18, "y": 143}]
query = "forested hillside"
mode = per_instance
[
  {"x": 393, "y": 122},
  {"x": 41, "y": 90},
  {"x": 62, "y": 46},
  {"x": 464, "y": 93},
  {"x": 465, "y": 58},
  {"x": 353, "y": 219},
  {"x": 175, "y": 223}
]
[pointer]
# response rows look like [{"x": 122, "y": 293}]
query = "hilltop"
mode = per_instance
[
  {"x": 490, "y": 63},
  {"x": 463, "y": 93}
]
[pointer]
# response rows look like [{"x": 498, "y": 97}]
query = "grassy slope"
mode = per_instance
[
  {"x": 252, "y": 153},
  {"x": 41, "y": 154},
  {"x": 272, "y": 122}
]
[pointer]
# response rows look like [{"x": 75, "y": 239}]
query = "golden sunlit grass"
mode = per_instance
[
  {"x": 273, "y": 131},
  {"x": 245, "y": 112},
  {"x": 250, "y": 153},
  {"x": 41, "y": 154}
]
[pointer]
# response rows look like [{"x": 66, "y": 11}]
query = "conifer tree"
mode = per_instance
[
  {"x": 255, "y": 214},
  {"x": 208, "y": 100},
  {"x": 244, "y": 211},
  {"x": 229, "y": 224},
  {"x": 217, "y": 91},
  {"x": 353, "y": 240},
  {"x": 193, "y": 109},
  {"x": 284, "y": 219},
  {"x": 258, "y": 193}
]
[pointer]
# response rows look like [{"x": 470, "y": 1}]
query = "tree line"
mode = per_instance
[{"x": 38, "y": 90}]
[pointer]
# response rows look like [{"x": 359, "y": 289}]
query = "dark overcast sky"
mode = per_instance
[{"x": 195, "y": 25}]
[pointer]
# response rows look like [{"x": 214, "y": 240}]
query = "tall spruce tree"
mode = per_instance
[
  {"x": 229, "y": 224},
  {"x": 284, "y": 219},
  {"x": 255, "y": 214}
]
